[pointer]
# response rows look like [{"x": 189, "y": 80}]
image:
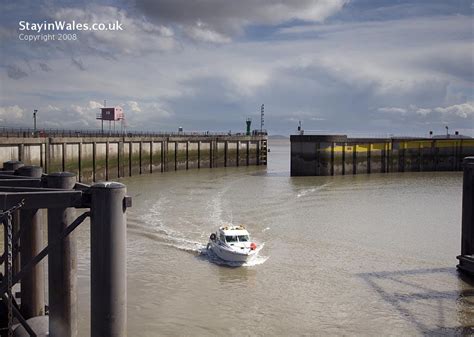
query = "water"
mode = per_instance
[{"x": 347, "y": 255}]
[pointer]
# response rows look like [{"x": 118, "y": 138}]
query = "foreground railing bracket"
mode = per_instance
[{"x": 25, "y": 190}]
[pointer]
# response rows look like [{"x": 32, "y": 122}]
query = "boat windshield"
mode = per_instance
[
  {"x": 231, "y": 238},
  {"x": 243, "y": 238}
]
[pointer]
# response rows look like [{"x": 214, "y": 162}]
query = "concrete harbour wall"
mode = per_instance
[
  {"x": 319, "y": 155},
  {"x": 106, "y": 158}
]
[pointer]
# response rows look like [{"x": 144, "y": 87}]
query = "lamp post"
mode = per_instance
[{"x": 34, "y": 120}]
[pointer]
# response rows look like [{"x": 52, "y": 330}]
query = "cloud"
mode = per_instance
[
  {"x": 391, "y": 74},
  {"x": 138, "y": 36},
  {"x": 15, "y": 72},
  {"x": 134, "y": 106},
  {"x": 159, "y": 110},
  {"x": 247, "y": 80},
  {"x": 44, "y": 67},
  {"x": 400, "y": 111},
  {"x": 52, "y": 108},
  {"x": 423, "y": 111},
  {"x": 95, "y": 105},
  {"x": 78, "y": 63},
  {"x": 72, "y": 115},
  {"x": 224, "y": 19},
  {"x": 464, "y": 110},
  {"x": 12, "y": 112},
  {"x": 200, "y": 32}
]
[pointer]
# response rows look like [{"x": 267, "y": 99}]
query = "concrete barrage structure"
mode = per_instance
[
  {"x": 105, "y": 158},
  {"x": 324, "y": 155}
]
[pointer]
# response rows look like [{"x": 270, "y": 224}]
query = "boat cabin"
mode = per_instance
[{"x": 234, "y": 234}]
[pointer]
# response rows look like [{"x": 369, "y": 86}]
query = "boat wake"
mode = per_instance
[
  {"x": 194, "y": 247},
  {"x": 307, "y": 191},
  {"x": 152, "y": 227}
]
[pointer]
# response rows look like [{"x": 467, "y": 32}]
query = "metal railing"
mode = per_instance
[
  {"x": 358, "y": 134},
  {"x": 15, "y": 132}
]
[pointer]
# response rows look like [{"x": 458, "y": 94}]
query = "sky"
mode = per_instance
[{"x": 339, "y": 66}]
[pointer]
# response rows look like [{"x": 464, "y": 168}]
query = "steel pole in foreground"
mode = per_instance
[
  {"x": 467, "y": 244},
  {"x": 31, "y": 243},
  {"x": 62, "y": 264},
  {"x": 108, "y": 260}
]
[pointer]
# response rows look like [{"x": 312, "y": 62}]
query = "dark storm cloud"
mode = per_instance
[
  {"x": 44, "y": 67},
  {"x": 15, "y": 72},
  {"x": 78, "y": 63},
  {"x": 202, "y": 18},
  {"x": 337, "y": 66}
]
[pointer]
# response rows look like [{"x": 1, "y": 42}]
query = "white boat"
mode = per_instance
[{"x": 232, "y": 243}]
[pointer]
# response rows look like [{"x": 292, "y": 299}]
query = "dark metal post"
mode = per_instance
[
  {"x": 199, "y": 153},
  {"x": 94, "y": 160},
  {"x": 187, "y": 155},
  {"x": 226, "y": 149},
  {"x": 62, "y": 264},
  {"x": 248, "y": 153},
  {"x": 211, "y": 154},
  {"x": 258, "y": 152},
  {"x": 176, "y": 148},
  {"x": 383, "y": 156},
  {"x": 120, "y": 160},
  {"x": 151, "y": 156},
  {"x": 21, "y": 152},
  {"x": 369, "y": 157},
  {"x": 31, "y": 243},
  {"x": 107, "y": 160},
  {"x": 238, "y": 153},
  {"x": 140, "y": 149},
  {"x": 64, "y": 156},
  {"x": 467, "y": 245},
  {"x": 108, "y": 260},
  {"x": 130, "y": 156},
  {"x": 35, "y": 111},
  {"x": 389, "y": 159},
  {"x": 79, "y": 160},
  {"x": 332, "y": 158},
  {"x": 163, "y": 154},
  {"x": 354, "y": 158},
  {"x": 47, "y": 155}
]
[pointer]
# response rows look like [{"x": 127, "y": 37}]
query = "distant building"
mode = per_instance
[{"x": 111, "y": 114}]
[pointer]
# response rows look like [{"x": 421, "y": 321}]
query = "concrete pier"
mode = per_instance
[
  {"x": 325, "y": 155},
  {"x": 105, "y": 158}
]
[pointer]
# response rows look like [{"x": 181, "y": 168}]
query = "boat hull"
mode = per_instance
[{"x": 230, "y": 255}]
